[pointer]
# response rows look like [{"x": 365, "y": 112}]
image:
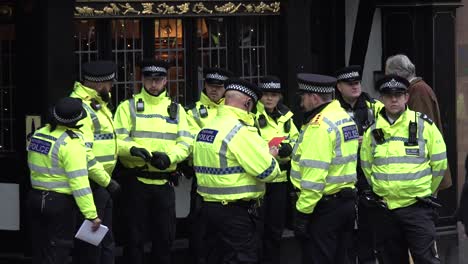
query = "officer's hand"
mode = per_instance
[
  {"x": 113, "y": 188},
  {"x": 140, "y": 152},
  {"x": 96, "y": 224},
  {"x": 300, "y": 225},
  {"x": 285, "y": 150},
  {"x": 160, "y": 160}
]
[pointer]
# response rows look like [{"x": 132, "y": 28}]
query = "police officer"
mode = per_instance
[
  {"x": 58, "y": 163},
  {"x": 232, "y": 162},
  {"x": 362, "y": 108},
  {"x": 274, "y": 120},
  {"x": 198, "y": 115},
  {"x": 152, "y": 120},
  {"x": 99, "y": 134},
  {"x": 211, "y": 98},
  {"x": 323, "y": 168},
  {"x": 403, "y": 156}
]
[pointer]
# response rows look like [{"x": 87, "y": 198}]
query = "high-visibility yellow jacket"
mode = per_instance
[
  {"x": 231, "y": 160},
  {"x": 196, "y": 120},
  {"x": 398, "y": 172},
  {"x": 58, "y": 162},
  {"x": 153, "y": 129},
  {"x": 324, "y": 157},
  {"x": 282, "y": 127},
  {"x": 98, "y": 131}
]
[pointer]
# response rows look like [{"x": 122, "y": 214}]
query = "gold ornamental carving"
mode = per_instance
[
  {"x": 200, "y": 7},
  {"x": 166, "y": 8}
]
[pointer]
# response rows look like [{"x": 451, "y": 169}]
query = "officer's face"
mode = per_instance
[
  {"x": 394, "y": 103},
  {"x": 214, "y": 91},
  {"x": 307, "y": 101},
  {"x": 350, "y": 90},
  {"x": 154, "y": 85},
  {"x": 270, "y": 100},
  {"x": 104, "y": 89}
]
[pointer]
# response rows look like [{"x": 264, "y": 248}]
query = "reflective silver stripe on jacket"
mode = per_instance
[
  {"x": 231, "y": 190},
  {"x": 106, "y": 158},
  {"x": 399, "y": 160},
  {"x": 49, "y": 185},
  {"x": 309, "y": 185},
  {"x": 439, "y": 157},
  {"x": 45, "y": 170},
  {"x": 94, "y": 118},
  {"x": 55, "y": 150},
  {"x": 153, "y": 135},
  {"x": 402, "y": 176},
  {"x": 341, "y": 179},
  {"x": 316, "y": 164},
  {"x": 224, "y": 145},
  {"x": 82, "y": 192}
]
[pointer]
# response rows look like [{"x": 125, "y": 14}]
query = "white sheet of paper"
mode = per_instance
[{"x": 86, "y": 234}]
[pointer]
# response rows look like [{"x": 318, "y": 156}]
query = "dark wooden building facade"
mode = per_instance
[{"x": 44, "y": 43}]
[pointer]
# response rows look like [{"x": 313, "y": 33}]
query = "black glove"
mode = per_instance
[
  {"x": 160, "y": 160},
  {"x": 140, "y": 152},
  {"x": 285, "y": 150},
  {"x": 300, "y": 225},
  {"x": 174, "y": 178},
  {"x": 113, "y": 188},
  {"x": 186, "y": 169}
]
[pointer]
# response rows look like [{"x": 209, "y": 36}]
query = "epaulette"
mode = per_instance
[
  {"x": 71, "y": 134},
  {"x": 426, "y": 118},
  {"x": 316, "y": 120}
]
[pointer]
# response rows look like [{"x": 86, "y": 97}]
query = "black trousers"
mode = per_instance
[
  {"x": 232, "y": 235},
  {"x": 406, "y": 228},
  {"x": 85, "y": 253},
  {"x": 197, "y": 249},
  {"x": 330, "y": 231},
  {"x": 52, "y": 217},
  {"x": 274, "y": 217},
  {"x": 365, "y": 234},
  {"x": 151, "y": 216}
]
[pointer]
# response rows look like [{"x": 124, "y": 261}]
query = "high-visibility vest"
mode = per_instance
[
  {"x": 154, "y": 129},
  {"x": 231, "y": 160},
  {"x": 98, "y": 131},
  {"x": 324, "y": 157},
  {"x": 397, "y": 171},
  {"x": 58, "y": 162},
  {"x": 195, "y": 116},
  {"x": 283, "y": 127}
]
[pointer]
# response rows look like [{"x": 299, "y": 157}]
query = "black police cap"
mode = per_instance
[
  {"x": 216, "y": 76},
  {"x": 154, "y": 68},
  {"x": 244, "y": 87},
  {"x": 98, "y": 71},
  {"x": 68, "y": 110},
  {"x": 392, "y": 84},
  {"x": 351, "y": 73},
  {"x": 270, "y": 84},
  {"x": 316, "y": 83}
]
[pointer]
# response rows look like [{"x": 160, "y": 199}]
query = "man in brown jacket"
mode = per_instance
[{"x": 421, "y": 97}]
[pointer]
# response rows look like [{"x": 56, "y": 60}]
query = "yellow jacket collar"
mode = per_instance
[
  {"x": 206, "y": 101},
  {"x": 86, "y": 93},
  {"x": 151, "y": 99},
  {"x": 244, "y": 116}
]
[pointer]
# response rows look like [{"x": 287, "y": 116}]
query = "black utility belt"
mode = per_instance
[
  {"x": 152, "y": 175},
  {"x": 346, "y": 193},
  {"x": 239, "y": 203}
]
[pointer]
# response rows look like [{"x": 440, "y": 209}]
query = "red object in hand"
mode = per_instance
[{"x": 276, "y": 141}]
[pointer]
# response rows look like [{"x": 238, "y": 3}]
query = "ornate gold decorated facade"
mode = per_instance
[{"x": 96, "y": 9}]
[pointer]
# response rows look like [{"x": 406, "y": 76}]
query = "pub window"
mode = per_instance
[
  {"x": 252, "y": 43},
  {"x": 169, "y": 45},
  {"x": 7, "y": 56},
  {"x": 127, "y": 51},
  {"x": 212, "y": 45},
  {"x": 86, "y": 43}
]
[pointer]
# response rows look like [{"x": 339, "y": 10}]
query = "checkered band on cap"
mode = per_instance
[
  {"x": 315, "y": 88},
  {"x": 348, "y": 75},
  {"x": 154, "y": 69},
  {"x": 105, "y": 78},
  {"x": 242, "y": 89},
  {"x": 67, "y": 120},
  {"x": 269, "y": 85},
  {"x": 216, "y": 76},
  {"x": 393, "y": 84}
]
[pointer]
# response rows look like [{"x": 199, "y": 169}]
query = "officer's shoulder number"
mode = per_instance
[
  {"x": 426, "y": 118},
  {"x": 316, "y": 121}
]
